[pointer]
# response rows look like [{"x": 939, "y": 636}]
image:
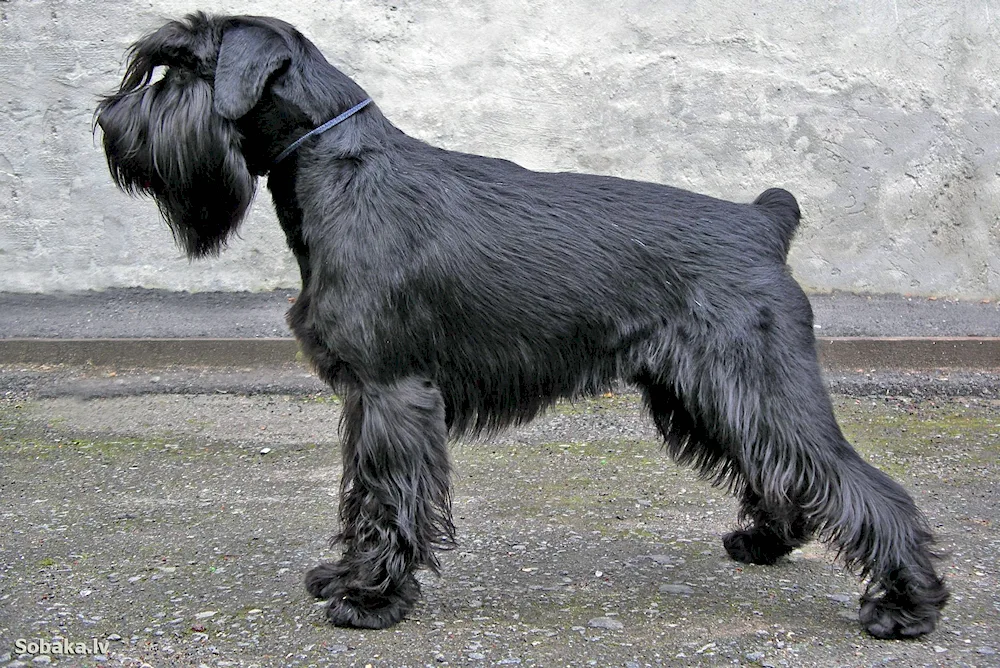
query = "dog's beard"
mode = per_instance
[{"x": 164, "y": 140}]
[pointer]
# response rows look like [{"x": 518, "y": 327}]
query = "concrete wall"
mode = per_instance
[{"x": 880, "y": 115}]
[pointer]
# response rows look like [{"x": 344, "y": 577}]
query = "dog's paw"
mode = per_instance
[
  {"x": 888, "y": 619},
  {"x": 361, "y": 608},
  {"x": 367, "y": 612},
  {"x": 322, "y": 581},
  {"x": 752, "y": 546}
]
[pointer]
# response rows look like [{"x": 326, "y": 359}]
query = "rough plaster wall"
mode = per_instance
[{"x": 881, "y": 116}]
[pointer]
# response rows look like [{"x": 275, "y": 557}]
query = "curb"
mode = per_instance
[
  {"x": 851, "y": 353},
  {"x": 835, "y": 353},
  {"x": 150, "y": 353}
]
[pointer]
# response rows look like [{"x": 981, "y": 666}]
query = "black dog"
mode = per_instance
[{"x": 445, "y": 293}]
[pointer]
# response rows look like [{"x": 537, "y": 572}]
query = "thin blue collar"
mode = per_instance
[{"x": 321, "y": 129}]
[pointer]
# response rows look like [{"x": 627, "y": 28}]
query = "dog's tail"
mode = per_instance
[{"x": 781, "y": 207}]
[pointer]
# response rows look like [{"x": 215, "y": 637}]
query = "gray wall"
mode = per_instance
[{"x": 880, "y": 115}]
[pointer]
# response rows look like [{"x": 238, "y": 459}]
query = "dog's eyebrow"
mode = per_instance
[
  {"x": 323, "y": 128},
  {"x": 157, "y": 73}
]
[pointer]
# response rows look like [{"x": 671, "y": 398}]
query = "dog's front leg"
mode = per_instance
[{"x": 395, "y": 502}]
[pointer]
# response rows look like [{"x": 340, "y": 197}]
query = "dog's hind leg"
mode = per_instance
[
  {"x": 751, "y": 409},
  {"x": 769, "y": 534},
  {"x": 802, "y": 476},
  {"x": 395, "y": 503},
  {"x": 802, "y": 456}
]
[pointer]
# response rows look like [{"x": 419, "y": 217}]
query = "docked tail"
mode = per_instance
[{"x": 781, "y": 207}]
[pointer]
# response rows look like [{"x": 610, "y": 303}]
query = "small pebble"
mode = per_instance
[
  {"x": 605, "y": 623},
  {"x": 676, "y": 589}
]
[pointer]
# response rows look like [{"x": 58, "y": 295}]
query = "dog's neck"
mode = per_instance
[
  {"x": 281, "y": 183},
  {"x": 337, "y": 120}
]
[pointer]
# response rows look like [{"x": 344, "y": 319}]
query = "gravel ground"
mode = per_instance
[{"x": 176, "y": 525}]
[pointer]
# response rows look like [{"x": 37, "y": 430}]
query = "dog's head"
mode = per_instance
[{"x": 205, "y": 106}]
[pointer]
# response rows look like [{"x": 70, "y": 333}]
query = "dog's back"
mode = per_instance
[{"x": 496, "y": 203}]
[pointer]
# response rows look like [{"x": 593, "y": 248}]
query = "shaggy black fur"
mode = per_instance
[{"x": 445, "y": 293}]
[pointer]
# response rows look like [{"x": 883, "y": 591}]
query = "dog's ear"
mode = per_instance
[{"x": 249, "y": 55}]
